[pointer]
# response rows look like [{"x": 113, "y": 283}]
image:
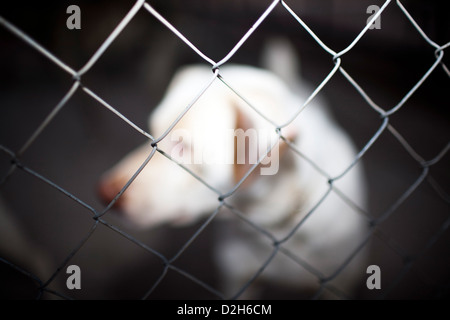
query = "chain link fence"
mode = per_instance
[{"x": 63, "y": 222}]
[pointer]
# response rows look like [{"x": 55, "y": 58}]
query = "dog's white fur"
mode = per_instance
[{"x": 165, "y": 193}]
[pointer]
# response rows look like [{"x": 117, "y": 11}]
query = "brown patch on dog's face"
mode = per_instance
[{"x": 241, "y": 168}]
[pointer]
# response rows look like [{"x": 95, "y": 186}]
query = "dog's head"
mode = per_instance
[{"x": 218, "y": 140}]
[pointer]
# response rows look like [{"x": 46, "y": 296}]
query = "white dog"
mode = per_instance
[{"x": 221, "y": 137}]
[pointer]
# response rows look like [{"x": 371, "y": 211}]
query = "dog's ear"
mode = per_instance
[{"x": 245, "y": 157}]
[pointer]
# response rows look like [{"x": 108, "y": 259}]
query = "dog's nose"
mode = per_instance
[{"x": 109, "y": 188}]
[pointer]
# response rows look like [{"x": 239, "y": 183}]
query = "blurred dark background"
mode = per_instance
[{"x": 85, "y": 139}]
